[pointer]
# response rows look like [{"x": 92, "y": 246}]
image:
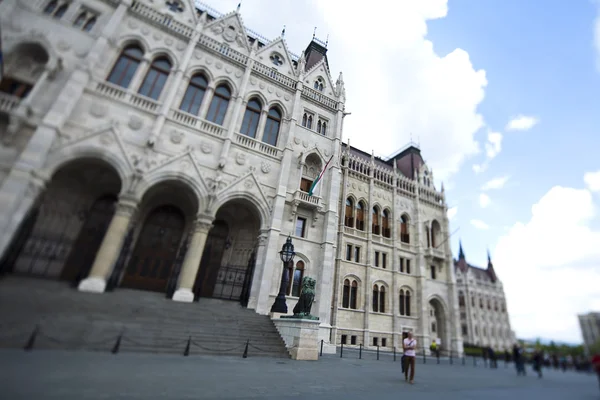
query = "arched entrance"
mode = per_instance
[
  {"x": 62, "y": 233},
  {"x": 151, "y": 258},
  {"x": 437, "y": 324},
  {"x": 228, "y": 259}
]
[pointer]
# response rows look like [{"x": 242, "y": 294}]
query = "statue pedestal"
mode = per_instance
[{"x": 301, "y": 337}]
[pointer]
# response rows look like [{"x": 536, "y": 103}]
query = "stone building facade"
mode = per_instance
[
  {"x": 153, "y": 145},
  {"x": 590, "y": 329},
  {"x": 484, "y": 318}
]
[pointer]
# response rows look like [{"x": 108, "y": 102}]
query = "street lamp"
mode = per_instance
[{"x": 287, "y": 254}]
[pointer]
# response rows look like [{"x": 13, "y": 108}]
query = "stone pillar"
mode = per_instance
[
  {"x": 258, "y": 270},
  {"x": 422, "y": 332},
  {"x": 396, "y": 334},
  {"x": 369, "y": 254},
  {"x": 260, "y": 130},
  {"x": 208, "y": 95},
  {"x": 110, "y": 248},
  {"x": 191, "y": 263}
]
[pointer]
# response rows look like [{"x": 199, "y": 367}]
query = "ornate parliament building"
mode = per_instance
[{"x": 158, "y": 146}]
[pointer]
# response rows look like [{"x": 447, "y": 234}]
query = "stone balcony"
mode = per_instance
[
  {"x": 434, "y": 253},
  {"x": 304, "y": 200},
  {"x": 8, "y": 103}
]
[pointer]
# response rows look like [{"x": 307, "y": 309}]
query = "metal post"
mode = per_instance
[
  {"x": 31, "y": 340},
  {"x": 451, "y": 361},
  {"x": 186, "y": 352},
  {"x": 437, "y": 355},
  {"x": 360, "y": 351},
  {"x": 117, "y": 345},
  {"x": 394, "y": 353},
  {"x": 321, "y": 348},
  {"x": 377, "y": 352},
  {"x": 424, "y": 356},
  {"x": 342, "y": 351},
  {"x": 245, "y": 355}
]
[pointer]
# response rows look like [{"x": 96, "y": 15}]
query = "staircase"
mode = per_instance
[{"x": 148, "y": 322}]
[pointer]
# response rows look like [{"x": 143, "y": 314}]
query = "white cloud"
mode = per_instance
[
  {"x": 479, "y": 224},
  {"x": 550, "y": 266},
  {"x": 496, "y": 183},
  {"x": 493, "y": 146},
  {"x": 592, "y": 181},
  {"x": 452, "y": 212},
  {"x": 484, "y": 200},
  {"x": 522, "y": 123}
]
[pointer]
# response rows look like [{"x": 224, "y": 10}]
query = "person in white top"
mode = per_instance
[{"x": 409, "y": 346}]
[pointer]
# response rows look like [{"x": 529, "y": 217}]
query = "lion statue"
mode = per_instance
[{"x": 307, "y": 296}]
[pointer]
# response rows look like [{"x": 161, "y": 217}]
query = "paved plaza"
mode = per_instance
[{"x": 46, "y": 374}]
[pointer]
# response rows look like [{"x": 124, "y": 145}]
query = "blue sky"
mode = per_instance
[{"x": 452, "y": 74}]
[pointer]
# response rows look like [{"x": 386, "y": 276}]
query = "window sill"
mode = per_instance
[
  {"x": 407, "y": 316},
  {"x": 351, "y": 309}
]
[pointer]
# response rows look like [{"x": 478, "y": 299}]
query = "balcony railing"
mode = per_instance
[
  {"x": 196, "y": 122},
  {"x": 8, "y": 102},
  {"x": 434, "y": 253},
  {"x": 304, "y": 199},
  {"x": 119, "y": 93},
  {"x": 253, "y": 144}
]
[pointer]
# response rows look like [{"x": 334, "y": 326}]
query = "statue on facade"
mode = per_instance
[{"x": 307, "y": 297}]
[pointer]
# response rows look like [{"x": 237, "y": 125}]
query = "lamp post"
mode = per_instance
[{"x": 287, "y": 257}]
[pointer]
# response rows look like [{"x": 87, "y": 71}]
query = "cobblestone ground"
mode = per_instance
[{"x": 45, "y": 374}]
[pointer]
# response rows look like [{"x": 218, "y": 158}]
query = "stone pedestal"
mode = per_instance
[{"x": 301, "y": 337}]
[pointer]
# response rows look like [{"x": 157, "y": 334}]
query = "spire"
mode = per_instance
[
  {"x": 283, "y": 31},
  {"x": 461, "y": 253},
  {"x": 238, "y": 6},
  {"x": 489, "y": 259},
  {"x": 490, "y": 268}
]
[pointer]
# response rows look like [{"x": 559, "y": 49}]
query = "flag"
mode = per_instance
[{"x": 316, "y": 181}]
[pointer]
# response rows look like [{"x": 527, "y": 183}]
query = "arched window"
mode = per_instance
[
  {"x": 472, "y": 301},
  {"x": 304, "y": 120},
  {"x": 319, "y": 85},
  {"x": 89, "y": 24},
  {"x": 324, "y": 128},
  {"x": 251, "y": 118},
  {"x": 495, "y": 305},
  {"x": 481, "y": 302},
  {"x": 80, "y": 20},
  {"x": 375, "y": 221},
  {"x": 56, "y": 8},
  {"x": 319, "y": 126},
  {"x": 402, "y": 302},
  {"x": 385, "y": 224},
  {"x": 433, "y": 327},
  {"x": 296, "y": 273},
  {"x": 404, "y": 236},
  {"x": 156, "y": 78},
  {"x": 382, "y": 299},
  {"x": 346, "y": 294},
  {"x": 309, "y": 122},
  {"x": 85, "y": 20},
  {"x": 461, "y": 299},
  {"x": 435, "y": 233},
  {"x": 126, "y": 66},
  {"x": 192, "y": 100},
  {"x": 353, "y": 295},
  {"x": 360, "y": 216},
  {"x": 375, "y": 298},
  {"x": 271, "y": 132},
  {"x": 348, "y": 220},
  {"x": 489, "y": 304},
  {"x": 407, "y": 307},
  {"x": 218, "y": 105}
]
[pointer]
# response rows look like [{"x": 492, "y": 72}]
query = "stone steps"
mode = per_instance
[{"x": 149, "y": 322}]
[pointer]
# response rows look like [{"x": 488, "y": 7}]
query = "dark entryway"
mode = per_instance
[
  {"x": 61, "y": 235},
  {"x": 208, "y": 272},
  {"x": 155, "y": 251}
]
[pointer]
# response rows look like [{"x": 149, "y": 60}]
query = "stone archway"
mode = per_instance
[
  {"x": 63, "y": 231},
  {"x": 438, "y": 323},
  {"x": 227, "y": 263}
]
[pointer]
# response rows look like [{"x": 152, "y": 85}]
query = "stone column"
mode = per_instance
[
  {"x": 206, "y": 100},
  {"x": 110, "y": 247},
  {"x": 369, "y": 254},
  {"x": 261, "y": 124},
  {"x": 395, "y": 262},
  {"x": 422, "y": 333},
  {"x": 454, "y": 326},
  {"x": 191, "y": 263}
]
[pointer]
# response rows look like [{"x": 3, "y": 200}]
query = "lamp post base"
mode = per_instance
[{"x": 279, "y": 306}]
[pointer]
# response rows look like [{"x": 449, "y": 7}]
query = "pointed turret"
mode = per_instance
[
  {"x": 461, "y": 253},
  {"x": 315, "y": 52},
  {"x": 461, "y": 263},
  {"x": 490, "y": 268}
]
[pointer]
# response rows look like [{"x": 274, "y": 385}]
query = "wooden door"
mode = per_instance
[
  {"x": 211, "y": 260},
  {"x": 155, "y": 250}
]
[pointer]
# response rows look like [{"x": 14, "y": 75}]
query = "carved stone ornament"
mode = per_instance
[
  {"x": 98, "y": 110},
  {"x": 206, "y": 147},
  {"x": 297, "y": 140},
  {"x": 230, "y": 34},
  {"x": 248, "y": 183},
  {"x": 265, "y": 167},
  {"x": 252, "y": 168},
  {"x": 135, "y": 123},
  {"x": 176, "y": 136},
  {"x": 107, "y": 139},
  {"x": 126, "y": 208},
  {"x": 240, "y": 158},
  {"x": 218, "y": 65},
  {"x": 132, "y": 24},
  {"x": 168, "y": 41}
]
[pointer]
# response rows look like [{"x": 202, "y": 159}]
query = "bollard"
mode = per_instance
[
  {"x": 464, "y": 360},
  {"x": 437, "y": 355},
  {"x": 31, "y": 340},
  {"x": 474, "y": 361},
  {"x": 245, "y": 355},
  {"x": 186, "y": 352},
  {"x": 394, "y": 353},
  {"x": 451, "y": 360},
  {"x": 342, "y": 351},
  {"x": 377, "y": 352},
  {"x": 117, "y": 345},
  {"x": 424, "y": 356},
  {"x": 360, "y": 351},
  {"x": 321, "y": 348}
]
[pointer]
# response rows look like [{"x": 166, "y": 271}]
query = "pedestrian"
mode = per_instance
[
  {"x": 409, "y": 346},
  {"x": 519, "y": 361},
  {"x": 538, "y": 361},
  {"x": 596, "y": 364}
]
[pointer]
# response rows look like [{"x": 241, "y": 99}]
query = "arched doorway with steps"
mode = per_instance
[
  {"x": 63, "y": 231},
  {"x": 229, "y": 255},
  {"x": 152, "y": 259},
  {"x": 438, "y": 327}
]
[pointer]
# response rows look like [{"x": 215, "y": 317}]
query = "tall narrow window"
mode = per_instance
[
  {"x": 382, "y": 299},
  {"x": 346, "y": 294},
  {"x": 309, "y": 122},
  {"x": 404, "y": 237},
  {"x": 383, "y": 260},
  {"x": 401, "y": 264},
  {"x": 192, "y": 100},
  {"x": 461, "y": 299},
  {"x": 271, "y": 132},
  {"x": 56, "y": 8},
  {"x": 375, "y": 298},
  {"x": 89, "y": 24},
  {"x": 407, "y": 306},
  {"x": 156, "y": 78},
  {"x": 300, "y": 227},
  {"x": 298, "y": 275},
  {"x": 218, "y": 105},
  {"x": 401, "y": 302},
  {"x": 251, "y": 118},
  {"x": 126, "y": 66},
  {"x": 360, "y": 216},
  {"x": 432, "y": 268},
  {"x": 348, "y": 252},
  {"x": 472, "y": 301},
  {"x": 348, "y": 220},
  {"x": 357, "y": 254},
  {"x": 80, "y": 20},
  {"x": 375, "y": 221},
  {"x": 353, "y": 295},
  {"x": 304, "y": 119},
  {"x": 385, "y": 224},
  {"x": 376, "y": 259},
  {"x": 407, "y": 266},
  {"x": 319, "y": 126}
]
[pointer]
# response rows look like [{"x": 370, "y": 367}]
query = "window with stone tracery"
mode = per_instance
[
  {"x": 307, "y": 120},
  {"x": 174, "y": 5},
  {"x": 86, "y": 19},
  {"x": 379, "y": 298},
  {"x": 319, "y": 84},
  {"x": 126, "y": 66},
  {"x": 155, "y": 78},
  {"x": 404, "y": 302},
  {"x": 219, "y": 104},
  {"x": 194, "y": 94},
  {"x": 23, "y": 67},
  {"x": 350, "y": 293},
  {"x": 57, "y": 8}
]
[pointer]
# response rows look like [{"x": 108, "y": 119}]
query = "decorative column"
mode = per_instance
[
  {"x": 395, "y": 262},
  {"x": 420, "y": 269},
  {"x": 110, "y": 247},
  {"x": 262, "y": 121},
  {"x": 34, "y": 155},
  {"x": 454, "y": 326},
  {"x": 237, "y": 107},
  {"x": 174, "y": 85},
  {"x": 191, "y": 263},
  {"x": 369, "y": 256}
]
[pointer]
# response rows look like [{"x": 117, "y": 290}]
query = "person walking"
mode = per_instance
[
  {"x": 519, "y": 360},
  {"x": 596, "y": 364},
  {"x": 538, "y": 362},
  {"x": 409, "y": 346}
]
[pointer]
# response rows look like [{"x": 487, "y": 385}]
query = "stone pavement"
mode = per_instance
[{"x": 47, "y": 374}]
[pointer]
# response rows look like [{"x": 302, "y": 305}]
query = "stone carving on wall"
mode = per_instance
[
  {"x": 206, "y": 147},
  {"x": 98, "y": 110},
  {"x": 135, "y": 123},
  {"x": 240, "y": 158},
  {"x": 176, "y": 136},
  {"x": 265, "y": 167}
]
